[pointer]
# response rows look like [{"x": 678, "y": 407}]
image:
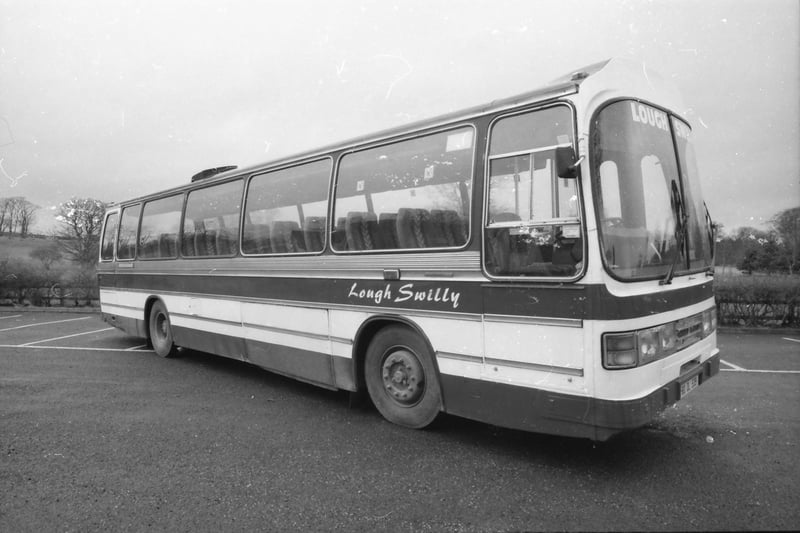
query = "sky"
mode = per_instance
[{"x": 114, "y": 99}]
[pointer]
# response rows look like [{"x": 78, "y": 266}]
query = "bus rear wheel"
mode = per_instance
[
  {"x": 160, "y": 331},
  {"x": 401, "y": 378}
]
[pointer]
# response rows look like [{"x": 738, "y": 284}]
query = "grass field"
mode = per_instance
[{"x": 15, "y": 247}]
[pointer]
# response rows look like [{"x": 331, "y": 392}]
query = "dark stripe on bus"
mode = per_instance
[{"x": 583, "y": 302}]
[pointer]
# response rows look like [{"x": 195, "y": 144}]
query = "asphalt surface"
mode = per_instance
[{"x": 98, "y": 433}]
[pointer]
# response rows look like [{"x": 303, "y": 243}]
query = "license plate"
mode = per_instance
[{"x": 690, "y": 385}]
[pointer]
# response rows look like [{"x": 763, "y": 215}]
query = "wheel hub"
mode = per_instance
[
  {"x": 161, "y": 322},
  {"x": 403, "y": 377}
]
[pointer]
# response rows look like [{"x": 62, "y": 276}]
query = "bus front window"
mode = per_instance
[{"x": 640, "y": 193}]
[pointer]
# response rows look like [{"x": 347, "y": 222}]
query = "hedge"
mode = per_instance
[{"x": 758, "y": 300}]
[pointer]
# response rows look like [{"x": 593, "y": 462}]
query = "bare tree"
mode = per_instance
[
  {"x": 9, "y": 209},
  {"x": 26, "y": 216},
  {"x": 787, "y": 224},
  {"x": 4, "y": 204},
  {"x": 17, "y": 213},
  {"x": 47, "y": 255},
  {"x": 81, "y": 220}
]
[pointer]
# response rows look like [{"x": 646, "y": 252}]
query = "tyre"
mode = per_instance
[
  {"x": 401, "y": 378},
  {"x": 161, "y": 331}
]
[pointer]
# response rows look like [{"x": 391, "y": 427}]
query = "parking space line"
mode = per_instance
[
  {"x": 790, "y": 339},
  {"x": 760, "y": 371},
  {"x": 134, "y": 348},
  {"x": 735, "y": 367},
  {"x": 12, "y": 316},
  {"x": 66, "y": 336},
  {"x": 23, "y": 347},
  {"x": 46, "y": 323}
]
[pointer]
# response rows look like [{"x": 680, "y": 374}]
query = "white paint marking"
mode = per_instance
[
  {"x": 791, "y": 340},
  {"x": 761, "y": 371},
  {"x": 11, "y": 316},
  {"x": 47, "y": 323},
  {"x": 135, "y": 348},
  {"x": 66, "y": 336},
  {"x": 735, "y": 367},
  {"x": 23, "y": 347}
]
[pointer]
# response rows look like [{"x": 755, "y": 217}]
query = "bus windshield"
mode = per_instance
[{"x": 649, "y": 204}]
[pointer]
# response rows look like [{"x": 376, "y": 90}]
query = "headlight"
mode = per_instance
[
  {"x": 619, "y": 350},
  {"x": 643, "y": 346},
  {"x": 709, "y": 321}
]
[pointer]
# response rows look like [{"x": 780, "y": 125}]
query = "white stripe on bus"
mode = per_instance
[{"x": 329, "y": 330}]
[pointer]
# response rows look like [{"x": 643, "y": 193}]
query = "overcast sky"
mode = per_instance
[{"x": 112, "y": 99}]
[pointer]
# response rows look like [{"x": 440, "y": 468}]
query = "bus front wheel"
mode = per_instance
[
  {"x": 401, "y": 378},
  {"x": 161, "y": 331}
]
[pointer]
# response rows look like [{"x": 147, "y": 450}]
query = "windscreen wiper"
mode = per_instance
[
  {"x": 711, "y": 228},
  {"x": 681, "y": 229}
]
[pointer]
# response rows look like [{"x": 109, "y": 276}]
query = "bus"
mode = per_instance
[{"x": 543, "y": 262}]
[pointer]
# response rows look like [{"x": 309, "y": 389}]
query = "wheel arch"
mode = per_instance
[
  {"x": 148, "y": 306},
  {"x": 367, "y": 331}
]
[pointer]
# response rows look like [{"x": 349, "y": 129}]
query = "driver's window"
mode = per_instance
[{"x": 532, "y": 219}]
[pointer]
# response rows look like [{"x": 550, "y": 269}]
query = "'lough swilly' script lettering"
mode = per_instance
[{"x": 405, "y": 293}]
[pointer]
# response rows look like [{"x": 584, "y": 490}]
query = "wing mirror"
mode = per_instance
[{"x": 567, "y": 163}]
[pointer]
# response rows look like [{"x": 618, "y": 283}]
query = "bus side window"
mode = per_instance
[
  {"x": 314, "y": 233},
  {"x": 126, "y": 243},
  {"x": 109, "y": 237},
  {"x": 410, "y": 194},
  {"x": 532, "y": 226},
  {"x": 161, "y": 220},
  {"x": 211, "y": 223},
  {"x": 285, "y": 210}
]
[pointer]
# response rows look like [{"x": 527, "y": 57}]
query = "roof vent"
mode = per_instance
[{"x": 207, "y": 173}]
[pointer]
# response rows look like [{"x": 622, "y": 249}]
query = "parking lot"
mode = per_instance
[{"x": 98, "y": 433}]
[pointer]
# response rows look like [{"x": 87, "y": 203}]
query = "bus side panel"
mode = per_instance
[
  {"x": 122, "y": 310},
  {"x": 211, "y": 342},
  {"x": 131, "y": 326},
  {"x": 458, "y": 345},
  {"x": 514, "y": 347},
  {"x": 289, "y": 340},
  {"x": 303, "y": 365}
]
